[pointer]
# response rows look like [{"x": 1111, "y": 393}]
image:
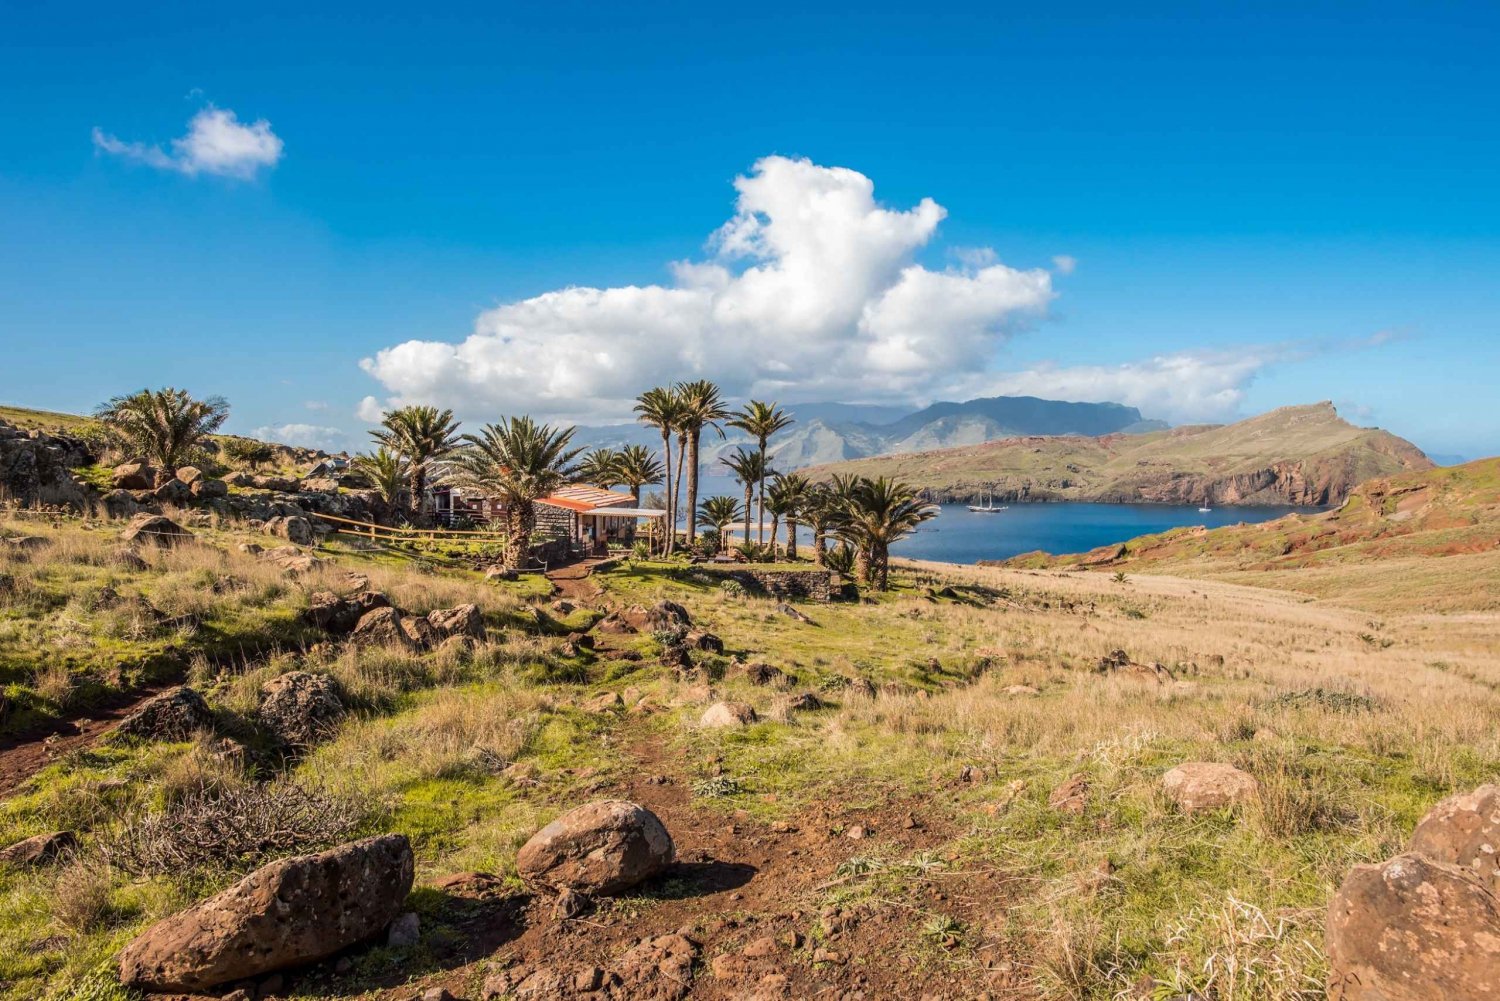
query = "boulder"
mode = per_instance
[
  {"x": 291, "y": 559},
  {"x": 155, "y": 529},
  {"x": 172, "y": 492},
  {"x": 43, "y": 849},
  {"x": 1413, "y": 929},
  {"x": 340, "y": 616},
  {"x": 208, "y": 489},
  {"x": 240, "y": 478},
  {"x": 280, "y": 484},
  {"x": 1464, "y": 830},
  {"x": 293, "y": 528},
  {"x": 301, "y": 707},
  {"x": 1208, "y": 785},
  {"x": 662, "y": 616},
  {"x": 763, "y": 674},
  {"x": 419, "y": 631},
  {"x": 722, "y": 715},
  {"x": 189, "y": 474},
  {"x": 318, "y": 485},
  {"x": 173, "y": 715},
  {"x": 701, "y": 639},
  {"x": 133, "y": 476},
  {"x": 382, "y": 626},
  {"x": 600, "y": 848},
  {"x": 120, "y": 504},
  {"x": 464, "y": 620},
  {"x": 292, "y": 912}
]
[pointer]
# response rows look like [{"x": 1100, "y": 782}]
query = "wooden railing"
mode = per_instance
[{"x": 389, "y": 534}]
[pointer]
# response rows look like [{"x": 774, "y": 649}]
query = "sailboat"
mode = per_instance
[
  {"x": 1204, "y": 510},
  {"x": 988, "y": 507}
]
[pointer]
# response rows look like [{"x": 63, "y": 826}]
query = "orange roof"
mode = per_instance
[{"x": 583, "y": 498}]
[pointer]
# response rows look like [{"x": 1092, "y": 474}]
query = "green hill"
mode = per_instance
[{"x": 1305, "y": 455}]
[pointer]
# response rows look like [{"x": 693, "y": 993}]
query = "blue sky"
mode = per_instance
[{"x": 1207, "y": 211}]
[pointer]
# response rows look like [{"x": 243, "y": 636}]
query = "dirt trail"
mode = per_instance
[
  {"x": 22, "y": 757},
  {"x": 739, "y": 881},
  {"x": 573, "y": 581}
]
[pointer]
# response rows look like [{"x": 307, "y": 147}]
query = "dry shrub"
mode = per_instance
[
  {"x": 231, "y": 828},
  {"x": 81, "y": 898},
  {"x": 56, "y": 684},
  {"x": 1292, "y": 799}
]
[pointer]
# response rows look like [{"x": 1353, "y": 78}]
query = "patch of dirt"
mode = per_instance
[
  {"x": 23, "y": 756},
  {"x": 572, "y": 581}
]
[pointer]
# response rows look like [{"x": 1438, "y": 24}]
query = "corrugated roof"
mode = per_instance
[{"x": 582, "y": 497}]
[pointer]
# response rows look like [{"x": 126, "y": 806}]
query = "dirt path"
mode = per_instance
[
  {"x": 573, "y": 581},
  {"x": 753, "y": 899},
  {"x": 22, "y": 757}
]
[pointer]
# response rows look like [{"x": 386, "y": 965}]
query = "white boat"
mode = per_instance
[
  {"x": 1204, "y": 510},
  {"x": 988, "y": 507}
]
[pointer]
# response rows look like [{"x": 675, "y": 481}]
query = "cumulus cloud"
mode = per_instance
[
  {"x": 1064, "y": 264},
  {"x": 329, "y": 439},
  {"x": 811, "y": 287},
  {"x": 217, "y": 142}
]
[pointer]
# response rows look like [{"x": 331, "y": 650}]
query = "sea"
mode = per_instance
[{"x": 959, "y": 535}]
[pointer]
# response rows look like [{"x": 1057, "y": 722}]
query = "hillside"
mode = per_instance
[
  {"x": 1427, "y": 539},
  {"x": 1305, "y": 455}
]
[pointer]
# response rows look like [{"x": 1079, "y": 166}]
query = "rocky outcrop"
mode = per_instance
[
  {"x": 727, "y": 715},
  {"x": 36, "y": 468},
  {"x": 340, "y": 616},
  {"x": 462, "y": 620},
  {"x": 155, "y": 530},
  {"x": 293, "y": 528},
  {"x": 1413, "y": 929},
  {"x": 175, "y": 715},
  {"x": 40, "y": 850},
  {"x": 1464, "y": 830},
  {"x": 599, "y": 848},
  {"x": 290, "y": 913},
  {"x": 301, "y": 708}
]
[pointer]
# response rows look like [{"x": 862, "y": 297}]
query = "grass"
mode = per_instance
[{"x": 469, "y": 752}]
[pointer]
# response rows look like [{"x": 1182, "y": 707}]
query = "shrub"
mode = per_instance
[{"x": 231, "y": 828}]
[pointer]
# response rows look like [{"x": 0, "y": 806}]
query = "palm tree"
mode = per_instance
[
  {"x": 749, "y": 468},
  {"x": 518, "y": 461},
  {"x": 779, "y": 504},
  {"x": 163, "y": 426},
  {"x": 422, "y": 435},
  {"x": 662, "y": 409},
  {"x": 821, "y": 508},
  {"x": 600, "y": 468},
  {"x": 879, "y": 513},
  {"x": 702, "y": 406},
  {"x": 387, "y": 473},
  {"x": 793, "y": 491},
  {"x": 636, "y": 467},
  {"x": 717, "y": 513},
  {"x": 760, "y": 421}
]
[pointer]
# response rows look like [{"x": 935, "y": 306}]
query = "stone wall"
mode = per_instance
[{"x": 813, "y": 585}]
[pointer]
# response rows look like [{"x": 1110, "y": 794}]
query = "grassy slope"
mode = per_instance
[
  {"x": 1079, "y": 468},
  {"x": 1184, "y": 902},
  {"x": 1428, "y": 540}
]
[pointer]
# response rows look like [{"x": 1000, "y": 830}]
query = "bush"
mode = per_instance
[{"x": 233, "y": 828}]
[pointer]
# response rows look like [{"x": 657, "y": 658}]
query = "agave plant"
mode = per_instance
[
  {"x": 877, "y": 514},
  {"x": 163, "y": 426},
  {"x": 519, "y": 462}
]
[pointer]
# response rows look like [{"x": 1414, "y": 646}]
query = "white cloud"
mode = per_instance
[
  {"x": 1187, "y": 386},
  {"x": 369, "y": 410},
  {"x": 1064, "y": 264},
  {"x": 316, "y": 405},
  {"x": 217, "y": 142},
  {"x": 812, "y": 287},
  {"x": 306, "y": 435}
]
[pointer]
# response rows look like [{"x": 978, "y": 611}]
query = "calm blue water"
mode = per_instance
[{"x": 960, "y": 536}]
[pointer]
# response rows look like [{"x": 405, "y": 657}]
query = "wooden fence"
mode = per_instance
[{"x": 385, "y": 533}]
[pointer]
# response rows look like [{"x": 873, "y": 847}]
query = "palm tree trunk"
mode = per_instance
[
  {"x": 520, "y": 519},
  {"x": 749, "y": 491},
  {"x": 676, "y": 496},
  {"x": 666, "y": 451},
  {"x": 881, "y": 565},
  {"x": 418, "y": 488},
  {"x": 775, "y": 524},
  {"x": 760, "y": 507},
  {"x": 863, "y": 568},
  {"x": 692, "y": 487},
  {"x": 791, "y": 538},
  {"x": 818, "y": 553}
]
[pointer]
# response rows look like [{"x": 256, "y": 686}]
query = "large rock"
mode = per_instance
[
  {"x": 189, "y": 474},
  {"x": 1464, "y": 830},
  {"x": 290, "y": 913},
  {"x": 208, "y": 489},
  {"x": 1412, "y": 929},
  {"x": 36, "y": 467},
  {"x": 43, "y": 849},
  {"x": 1208, "y": 785},
  {"x": 173, "y": 715},
  {"x": 301, "y": 707},
  {"x": 726, "y": 715},
  {"x": 600, "y": 848},
  {"x": 383, "y": 626},
  {"x": 133, "y": 476},
  {"x": 156, "y": 529},
  {"x": 662, "y": 616},
  {"x": 318, "y": 485},
  {"x": 464, "y": 620},
  {"x": 280, "y": 484},
  {"x": 293, "y": 528},
  {"x": 339, "y": 616}
]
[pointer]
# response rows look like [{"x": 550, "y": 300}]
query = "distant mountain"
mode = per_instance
[
  {"x": 1304, "y": 455},
  {"x": 838, "y": 432}
]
